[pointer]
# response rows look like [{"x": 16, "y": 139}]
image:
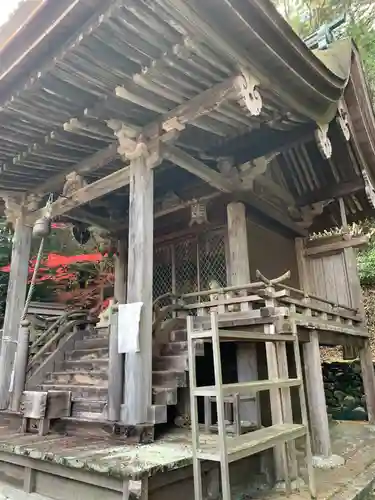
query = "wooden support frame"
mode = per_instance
[
  {"x": 15, "y": 303},
  {"x": 321, "y": 441},
  {"x": 88, "y": 165},
  {"x": 198, "y": 168},
  {"x": 116, "y": 360},
  {"x": 138, "y": 365},
  {"x": 99, "y": 188},
  {"x": 239, "y": 272},
  {"x": 368, "y": 378}
]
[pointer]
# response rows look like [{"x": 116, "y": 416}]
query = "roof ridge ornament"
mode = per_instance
[
  {"x": 322, "y": 141},
  {"x": 249, "y": 95},
  {"x": 342, "y": 120}
]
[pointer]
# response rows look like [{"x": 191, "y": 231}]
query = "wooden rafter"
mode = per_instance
[
  {"x": 88, "y": 165},
  {"x": 332, "y": 192},
  {"x": 198, "y": 168}
]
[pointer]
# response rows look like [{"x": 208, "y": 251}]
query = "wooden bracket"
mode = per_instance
[
  {"x": 342, "y": 120},
  {"x": 323, "y": 142},
  {"x": 249, "y": 96}
]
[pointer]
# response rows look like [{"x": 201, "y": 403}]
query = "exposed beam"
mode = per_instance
[
  {"x": 92, "y": 191},
  {"x": 265, "y": 208},
  {"x": 86, "y": 194},
  {"x": 355, "y": 242},
  {"x": 198, "y": 168},
  {"x": 88, "y": 165},
  {"x": 83, "y": 215},
  {"x": 332, "y": 191},
  {"x": 197, "y": 106}
]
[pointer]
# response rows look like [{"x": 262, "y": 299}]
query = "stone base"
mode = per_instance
[
  {"x": 330, "y": 462},
  {"x": 296, "y": 485}
]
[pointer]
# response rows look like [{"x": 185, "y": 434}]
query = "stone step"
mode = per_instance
[
  {"x": 181, "y": 347},
  {"x": 92, "y": 343},
  {"x": 164, "y": 395},
  {"x": 102, "y": 331},
  {"x": 157, "y": 414},
  {"x": 79, "y": 391},
  {"x": 86, "y": 365},
  {"x": 87, "y": 354},
  {"x": 95, "y": 378},
  {"x": 86, "y": 408},
  {"x": 171, "y": 363},
  {"x": 178, "y": 336},
  {"x": 169, "y": 378}
]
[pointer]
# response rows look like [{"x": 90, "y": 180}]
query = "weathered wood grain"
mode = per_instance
[
  {"x": 15, "y": 303},
  {"x": 138, "y": 365},
  {"x": 239, "y": 272},
  {"x": 321, "y": 441}
]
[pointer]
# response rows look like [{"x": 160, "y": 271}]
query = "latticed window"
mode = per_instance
[{"x": 194, "y": 264}]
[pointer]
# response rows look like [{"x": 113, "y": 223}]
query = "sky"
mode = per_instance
[{"x": 6, "y": 8}]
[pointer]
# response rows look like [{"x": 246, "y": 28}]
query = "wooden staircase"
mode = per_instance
[{"x": 84, "y": 372}]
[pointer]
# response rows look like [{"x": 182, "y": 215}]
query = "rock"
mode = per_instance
[
  {"x": 349, "y": 402},
  {"x": 359, "y": 413},
  {"x": 339, "y": 395}
]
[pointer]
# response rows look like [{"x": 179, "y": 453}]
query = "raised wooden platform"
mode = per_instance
[{"x": 60, "y": 467}]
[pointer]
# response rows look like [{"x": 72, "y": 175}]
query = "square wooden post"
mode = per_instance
[
  {"x": 321, "y": 441},
  {"x": 116, "y": 360},
  {"x": 239, "y": 272},
  {"x": 368, "y": 378},
  {"x": 138, "y": 365},
  {"x": 14, "y": 306},
  {"x": 120, "y": 272}
]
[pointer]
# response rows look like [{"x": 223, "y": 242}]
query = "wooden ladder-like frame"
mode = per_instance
[{"x": 283, "y": 432}]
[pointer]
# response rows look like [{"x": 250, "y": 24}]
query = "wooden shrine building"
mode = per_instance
[{"x": 211, "y": 143}]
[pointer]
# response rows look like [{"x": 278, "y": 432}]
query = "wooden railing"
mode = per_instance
[{"x": 254, "y": 299}]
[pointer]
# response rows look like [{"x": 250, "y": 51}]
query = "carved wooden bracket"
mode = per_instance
[
  {"x": 342, "y": 120},
  {"x": 13, "y": 208},
  {"x": 131, "y": 149},
  {"x": 249, "y": 95},
  {"x": 323, "y": 142},
  {"x": 73, "y": 182}
]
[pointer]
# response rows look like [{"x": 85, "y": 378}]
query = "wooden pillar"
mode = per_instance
[
  {"x": 138, "y": 365},
  {"x": 239, "y": 272},
  {"x": 368, "y": 378},
  {"x": 116, "y": 360},
  {"x": 14, "y": 307},
  {"x": 321, "y": 441},
  {"x": 120, "y": 272}
]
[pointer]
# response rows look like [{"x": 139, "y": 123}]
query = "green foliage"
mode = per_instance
[{"x": 366, "y": 265}]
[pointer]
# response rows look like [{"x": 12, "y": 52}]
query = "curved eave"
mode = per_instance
[
  {"x": 163, "y": 53},
  {"x": 255, "y": 36},
  {"x": 34, "y": 30},
  {"x": 361, "y": 114}
]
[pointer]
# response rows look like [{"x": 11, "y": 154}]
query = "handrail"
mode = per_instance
[
  {"x": 54, "y": 325},
  {"x": 307, "y": 295},
  {"x": 63, "y": 326},
  {"x": 258, "y": 285},
  {"x": 217, "y": 291}
]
